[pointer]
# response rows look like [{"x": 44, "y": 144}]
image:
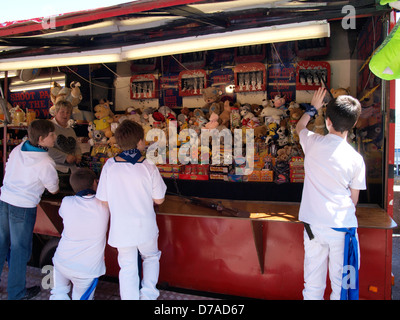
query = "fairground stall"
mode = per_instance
[{"x": 229, "y": 224}]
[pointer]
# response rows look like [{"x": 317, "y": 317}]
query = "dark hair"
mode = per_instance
[
  {"x": 343, "y": 112},
  {"x": 39, "y": 128},
  {"x": 82, "y": 179},
  {"x": 128, "y": 134}
]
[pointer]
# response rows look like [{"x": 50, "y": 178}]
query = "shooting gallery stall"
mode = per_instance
[{"x": 220, "y": 231}]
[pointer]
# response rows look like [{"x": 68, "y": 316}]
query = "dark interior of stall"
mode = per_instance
[{"x": 285, "y": 73}]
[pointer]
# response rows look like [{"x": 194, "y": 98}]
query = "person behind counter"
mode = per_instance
[
  {"x": 29, "y": 171},
  {"x": 79, "y": 257},
  {"x": 130, "y": 185},
  {"x": 66, "y": 152},
  {"x": 334, "y": 176}
]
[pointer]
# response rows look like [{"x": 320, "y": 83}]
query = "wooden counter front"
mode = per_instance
[{"x": 369, "y": 216}]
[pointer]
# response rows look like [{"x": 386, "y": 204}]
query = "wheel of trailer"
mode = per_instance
[{"x": 47, "y": 253}]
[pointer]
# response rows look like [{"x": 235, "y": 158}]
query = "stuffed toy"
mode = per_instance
[
  {"x": 319, "y": 123},
  {"x": 71, "y": 94},
  {"x": 210, "y": 96},
  {"x": 167, "y": 112},
  {"x": 213, "y": 123},
  {"x": 104, "y": 117},
  {"x": 225, "y": 116},
  {"x": 183, "y": 117},
  {"x": 269, "y": 114},
  {"x": 340, "y": 92},
  {"x": 279, "y": 102},
  {"x": 256, "y": 109},
  {"x": 282, "y": 136},
  {"x": 260, "y": 132}
]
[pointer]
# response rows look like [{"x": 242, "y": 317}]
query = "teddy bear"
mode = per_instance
[
  {"x": 319, "y": 122},
  {"x": 183, "y": 117},
  {"x": 260, "y": 132},
  {"x": 295, "y": 112},
  {"x": 104, "y": 117},
  {"x": 284, "y": 153},
  {"x": 339, "y": 92},
  {"x": 211, "y": 96}
]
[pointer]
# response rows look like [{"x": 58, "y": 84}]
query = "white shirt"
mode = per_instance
[
  {"x": 130, "y": 190},
  {"x": 80, "y": 252},
  {"x": 28, "y": 173},
  {"x": 332, "y": 167}
]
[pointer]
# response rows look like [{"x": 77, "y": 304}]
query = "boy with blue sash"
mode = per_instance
[
  {"x": 29, "y": 171},
  {"x": 334, "y": 176},
  {"x": 79, "y": 258},
  {"x": 130, "y": 185}
]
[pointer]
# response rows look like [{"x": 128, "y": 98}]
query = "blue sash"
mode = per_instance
[
  {"x": 131, "y": 155},
  {"x": 89, "y": 290},
  {"x": 85, "y": 192},
  {"x": 27, "y": 146},
  {"x": 350, "y": 290}
]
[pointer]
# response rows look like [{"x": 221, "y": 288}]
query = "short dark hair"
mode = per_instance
[
  {"x": 343, "y": 112},
  {"x": 39, "y": 128},
  {"x": 128, "y": 134},
  {"x": 82, "y": 179}
]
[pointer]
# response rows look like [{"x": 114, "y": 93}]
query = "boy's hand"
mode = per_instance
[{"x": 317, "y": 100}]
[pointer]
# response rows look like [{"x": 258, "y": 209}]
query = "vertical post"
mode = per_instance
[{"x": 5, "y": 124}]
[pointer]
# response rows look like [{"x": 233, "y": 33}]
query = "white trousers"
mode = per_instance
[
  {"x": 62, "y": 286},
  {"x": 323, "y": 252},
  {"x": 129, "y": 273}
]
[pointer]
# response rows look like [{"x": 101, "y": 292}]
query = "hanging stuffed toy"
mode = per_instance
[{"x": 385, "y": 63}]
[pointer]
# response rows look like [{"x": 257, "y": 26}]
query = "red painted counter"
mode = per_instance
[{"x": 207, "y": 252}]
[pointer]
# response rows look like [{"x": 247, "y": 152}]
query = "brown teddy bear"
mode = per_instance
[
  {"x": 213, "y": 101},
  {"x": 339, "y": 92}
]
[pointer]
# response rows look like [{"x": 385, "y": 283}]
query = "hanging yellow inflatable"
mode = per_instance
[{"x": 385, "y": 63}]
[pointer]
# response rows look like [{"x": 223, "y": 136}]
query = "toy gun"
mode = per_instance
[{"x": 221, "y": 209}]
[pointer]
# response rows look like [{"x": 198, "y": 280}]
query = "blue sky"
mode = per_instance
[{"x": 28, "y": 9}]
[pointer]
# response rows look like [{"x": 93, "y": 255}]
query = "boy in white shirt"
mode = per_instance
[
  {"x": 79, "y": 257},
  {"x": 131, "y": 185},
  {"x": 334, "y": 176},
  {"x": 29, "y": 171}
]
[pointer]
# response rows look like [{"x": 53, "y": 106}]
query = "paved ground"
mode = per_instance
[{"x": 107, "y": 290}]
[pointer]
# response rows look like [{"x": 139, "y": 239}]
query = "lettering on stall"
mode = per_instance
[{"x": 37, "y": 100}]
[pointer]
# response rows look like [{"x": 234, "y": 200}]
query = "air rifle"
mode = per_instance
[{"x": 221, "y": 209}]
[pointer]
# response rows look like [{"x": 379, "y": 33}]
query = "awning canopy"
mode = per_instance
[{"x": 113, "y": 34}]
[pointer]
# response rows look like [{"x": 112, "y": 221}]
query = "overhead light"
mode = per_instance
[
  {"x": 281, "y": 33},
  {"x": 246, "y": 37},
  {"x": 62, "y": 59},
  {"x": 10, "y": 74},
  {"x": 38, "y": 83}
]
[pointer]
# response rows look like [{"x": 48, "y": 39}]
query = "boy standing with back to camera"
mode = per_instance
[
  {"x": 29, "y": 171},
  {"x": 334, "y": 176},
  {"x": 131, "y": 185}
]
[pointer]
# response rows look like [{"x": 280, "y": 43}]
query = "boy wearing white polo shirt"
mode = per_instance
[
  {"x": 29, "y": 171},
  {"x": 334, "y": 176},
  {"x": 131, "y": 185},
  {"x": 79, "y": 258}
]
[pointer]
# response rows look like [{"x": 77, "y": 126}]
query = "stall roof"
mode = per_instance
[{"x": 144, "y": 21}]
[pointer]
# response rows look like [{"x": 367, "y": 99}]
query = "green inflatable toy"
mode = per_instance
[{"x": 385, "y": 63}]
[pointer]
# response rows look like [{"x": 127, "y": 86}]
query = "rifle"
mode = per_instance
[{"x": 221, "y": 209}]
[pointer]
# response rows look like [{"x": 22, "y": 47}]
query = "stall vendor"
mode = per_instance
[{"x": 66, "y": 152}]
